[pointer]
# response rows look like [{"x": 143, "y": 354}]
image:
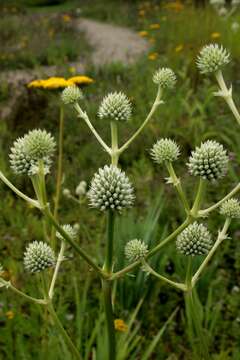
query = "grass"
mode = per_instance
[{"x": 190, "y": 115}]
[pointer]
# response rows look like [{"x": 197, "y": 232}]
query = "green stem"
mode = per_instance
[
  {"x": 177, "y": 183},
  {"x": 198, "y": 199},
  {"x": 221, "y": 236},
  {"x": 155, "y": 105},
  {"x": 114, "y": 136},
  {"x": 107, "y": 288},
  {"x": 226, "y": 94},
  {"x": 56, "y": 270}
]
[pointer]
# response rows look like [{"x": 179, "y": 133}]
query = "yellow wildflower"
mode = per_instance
[
  {"x": 143, "y": 33},
  {"x": 81, "y": 80},
  {"x": 10, "y": 314},
  {"x": 141, "y": 13},
  {"x": 176, "y": 6},
  {"x": 179, "y": 48},
  {"x": 215, "y": 35},
  {"x": 154, "y": 26},
  {"x": 120, "y": 325},
  {"x": 153, "y": 56},
  {"x": 66, "y": 18}
]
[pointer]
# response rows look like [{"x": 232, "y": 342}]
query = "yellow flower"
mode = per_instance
[
  {"x": 81, "y": 80},
  {"x": 66, "y": 18},
  {"x": 215, "y": 35},
  {"x": 154, "y": 26},
  {"x": 120, "y": 325},
  {"x": 10, "y": 314},
  {"x": 153, "y": 56},
  {"x": 176, "y": 6},
  {"x": 179, "y": 48},
  {"x": 141, "y": 13},
  {"x": 143, "y": 33}
]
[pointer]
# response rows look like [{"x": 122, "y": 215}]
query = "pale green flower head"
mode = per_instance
[
  {"x": 208, "y": 161},
  {"x": 135, "y": 250},
  {"x": 165, "y": 78},
  {"x": 231, "y": 208},
  {"x": 165, "y": 150},
  {"x": 111, "y": 190},
  {"x": 194, "y": 240},
  {"x": 69, "y": 229},
  {"x": 27, "y": 151},
  {"x": 212, "y": 58},
  {"x": 38, "y": 257},
  {"x": 71, "y": 95},
  {"x": 115, "y": 106}
]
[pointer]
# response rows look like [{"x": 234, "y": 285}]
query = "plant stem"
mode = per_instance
[
  {"x": 179, "y": 286},
  {"x": 215, "y": 206},
  {"x": 198, "y": 199},
  {"x": 221, "y": 236},
  {"x": 177, "y": 183},
  {"x": 114, "y": 136},
  {"x": 56, "y": 270},
  {"x": 107, "y": 288},
  {"x": 226, "y": 94},
  {"x": 59, "y": 173},
  {"x": 155, "y": 105}
]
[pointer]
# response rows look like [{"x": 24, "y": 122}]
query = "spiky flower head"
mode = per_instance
[
  {"x": 165, "y": 150},
  {"x": 135, "y": 250},
  {"x": 71, "y": 95},
  {"x": 115, "y": 106},
  {"x": 209, "y": 161},
  {"x": 212, "y": 58},
  {"x": 38, "y": 257},
  {"x": 110, "y": 190},
  {"x": 231, "y": 208},
  {"x": 194, "y": 240},
  {"x": 27, "y": 151},
  {"x": 165, "y": 78},
  {"x": 69, "y": 229}
]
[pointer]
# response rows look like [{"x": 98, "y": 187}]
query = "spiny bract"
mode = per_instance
[
  {"x": 212, "y": 58},
  {"x": 37, "y": 145},
  {"x": 209, "y": 161},
  {"x": 71, "y": 95},
  {"x": 194, "y": 240},
  {"x": 165, "y": 150},
  {"x": 135, "y": 250},
  {"x": 115, "y": 106},
  {"x": 231, "y": 208},
  {"x": 69, "y": 230},
  {"x": 110, "y": 189},
  {"x": 165, "y": 78},
  {"x": 38, "y": 257}
]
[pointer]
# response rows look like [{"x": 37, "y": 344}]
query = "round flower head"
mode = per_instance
[
  {"x": 212, "y": 58},
  {"x": 81, "y": 189},
  {"x": 165, "y": 78},
  {"x": 27, "y": 151},
  {"x": 135, "y": 250},
  {"x": 69, "y": 229},
  {"x": 71, "y": 95},
  {"x": 209, "y": 161},
  {"x": 115, "y": 106},
  {"x": 231, "y": 208},
  {"x": 38, "y": 257},
  {"x": 165, "y": 150},
  {"x": 194, "y": 240},
  {"x": 110, "y": 189}
]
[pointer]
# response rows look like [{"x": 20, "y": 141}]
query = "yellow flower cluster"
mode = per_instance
[
  {"x": 53, "y": 83},
  {"x": 120, "y": 325}
]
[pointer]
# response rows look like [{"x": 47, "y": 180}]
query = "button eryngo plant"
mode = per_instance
[{"x": 111, "y": 192}]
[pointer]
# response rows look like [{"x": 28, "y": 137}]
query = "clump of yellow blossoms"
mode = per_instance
[
  {"x": 59, "y": 82},
  {"x": 120, "y": 325}
]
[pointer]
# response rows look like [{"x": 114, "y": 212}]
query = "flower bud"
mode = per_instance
[
  {"x": 38, "y": 257},
  {"x": 71, "y": 95},
  {"x": 69, "y": 230},
  {"x": 165, "y": 78},
  {"x": 212, "y": 58},
  {"x": 194, "y": 240},
  {"x": 110, "y": 190},
  {"x": 230, "y": 208},
  {"x": 135, "y": 250},
  {"x": 165, "y": 150},
  {"x": 66, "y": 192},
  {"x": 115, "y": 106},
  {"x": 208, "y": 161},
  {"x": 27, "y": 151},
  {"x": 81, "y": 189}
]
